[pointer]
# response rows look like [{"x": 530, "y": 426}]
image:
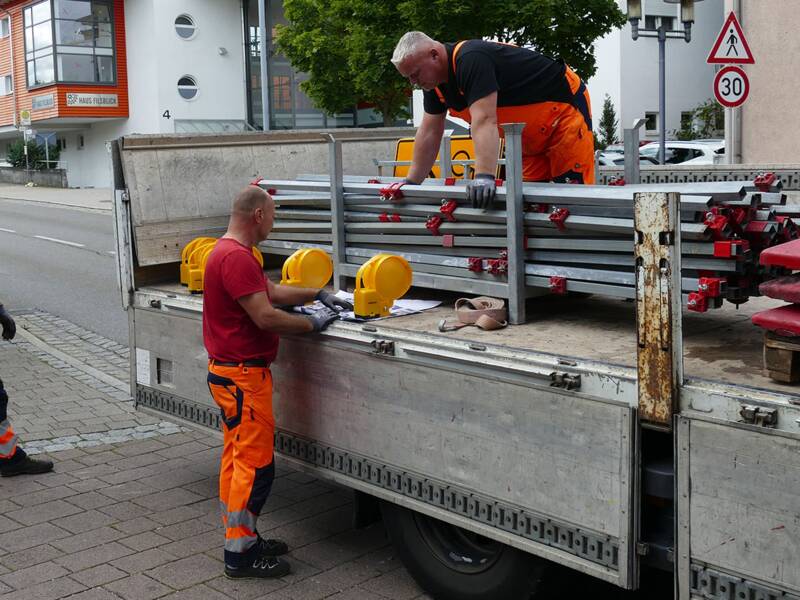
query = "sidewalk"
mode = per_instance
[
  {"x": 131, "y": 511},
  {"x": 90, "y": 198}
]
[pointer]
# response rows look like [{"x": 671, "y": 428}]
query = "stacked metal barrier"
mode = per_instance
[{"x": 554, "y": 238}]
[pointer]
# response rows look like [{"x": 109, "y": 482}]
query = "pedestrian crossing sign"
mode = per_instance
[{"x": 731, "y": 46}]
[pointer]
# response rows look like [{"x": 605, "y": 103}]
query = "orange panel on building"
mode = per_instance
[{"x": 60, "y": 99}]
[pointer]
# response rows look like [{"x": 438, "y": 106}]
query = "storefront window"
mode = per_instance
[{"x": 84, "y": 42}]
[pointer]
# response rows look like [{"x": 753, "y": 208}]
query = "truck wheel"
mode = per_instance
[{"x": 451, "y": 563}]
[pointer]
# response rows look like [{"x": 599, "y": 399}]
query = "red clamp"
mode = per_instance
[
  {"x": 448, "y": 208},
  {"x": 559, "y": 216},
  {"x": 385, "y": 218},
  {"x": 448, "y": 240},
  {"x": 727, "y": 248},
  {"x": 475, "y": 264},
  {"x": 764, "y": 181},
  {"x": 717, "y": 224},
  {"x": 449, "y": 180},
  {"x": 497, "y": 266},
  {"x": 373, "y": 180},
  {"x": 257, "y": 180},
  {"x": 617, "y": 181},
  {"x": 558, "y": 285},
  {"x": 711, "y": 286},
  {"x": 698, "y": 302},
  {"x": 392, "y": 191},
  {"x": 433, "y": 223},
  {"x": 503, "y": 254},
  {"x": 540, "y": 208}
]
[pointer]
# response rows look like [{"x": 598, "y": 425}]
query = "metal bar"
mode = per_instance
[
  {"x": 514, "y": 222},
  {"x": 427, "y": 240},
  {"x": 597, "y": 275},
  {"x": 337, "y": 209},
  {"x": 412, "y": 228},
  {"x": 445, "y": 155}
]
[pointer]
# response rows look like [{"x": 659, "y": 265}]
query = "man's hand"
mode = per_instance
[
  {"x": 482, "y": 190},
  {"x": 332, "y": 301},
  {"x": 9, "y": 327},
  {"x": 322, "y": 318}
]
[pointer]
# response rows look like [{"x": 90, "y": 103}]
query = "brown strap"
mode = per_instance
[{"x": 484, "y": 312}]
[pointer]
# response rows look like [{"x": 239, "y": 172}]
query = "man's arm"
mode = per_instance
[
  {"x": 426, "y": 146},
  {"x": 290, "y": 295},
  {"x": 484, "y": 133},
  {"x": 267, "y": 317}
]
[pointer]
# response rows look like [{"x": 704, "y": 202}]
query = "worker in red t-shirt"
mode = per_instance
[
  {"x": 240, "y": 330},
  {"x": 487, "y": 83}
]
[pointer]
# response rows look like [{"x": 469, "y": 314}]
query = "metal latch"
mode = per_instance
[
  {"x": 758, "y": 415},
  {"x": 125, "y": 196},
  {"x": 383, "y": 347},
  {"x": 155, "y": 303},
  {"x": 568, "y": 381}
]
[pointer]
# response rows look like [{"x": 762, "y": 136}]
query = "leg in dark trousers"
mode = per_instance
[{"x": 13, "y": 460}]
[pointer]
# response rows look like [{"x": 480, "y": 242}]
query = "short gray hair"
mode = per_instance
[{"x": 409, "y": 44}]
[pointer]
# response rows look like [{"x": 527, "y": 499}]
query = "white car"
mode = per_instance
[
  {"x": 617, "y": 159},
  {"x": 687, "y": 153}
]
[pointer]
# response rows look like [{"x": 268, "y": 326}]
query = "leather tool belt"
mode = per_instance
[{"x": 483, "y": 312}]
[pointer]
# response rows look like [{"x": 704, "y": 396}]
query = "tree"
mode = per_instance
[
  {"x": 707, "y": 119},
  {"x": 607, "y": 134},
  {"x": 36, "y": 155},
  {"x": 345, "y": 45}
]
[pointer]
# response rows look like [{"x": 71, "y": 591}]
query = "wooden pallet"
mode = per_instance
[{"x": 782, "y": 357}]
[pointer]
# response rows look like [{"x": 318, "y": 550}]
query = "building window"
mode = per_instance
[
  {"x": 5, "y": 27},
  {"x": 185, "y": 27},
  {"x": 61, "y": 143},
  {"x": 83, "y": 46},
  {"x": 651, "y": 125},
  {"x": 187, "y": 87},
  {"x": 6, "y": 85},
  {"x": 80, "y": 142},
  {"x": 655, "y": 21}
]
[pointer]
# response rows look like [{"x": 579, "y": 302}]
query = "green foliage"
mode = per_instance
[
  {"x": 345, "y": 45},
  {"x": 708, "y": 119},
  {"x": 36, "y": 155},
  {"x": 607, "y": 134}
]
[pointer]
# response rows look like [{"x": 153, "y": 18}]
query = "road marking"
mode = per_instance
[
  {"x": 7, "y": 230},
  {"x": 57, "y": 241}
]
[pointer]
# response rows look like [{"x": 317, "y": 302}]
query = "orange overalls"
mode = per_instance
[
  {"x": 8, "y": 439},
  {"x": 244, "y": 395},
  {"x": 557, "y": 142}
]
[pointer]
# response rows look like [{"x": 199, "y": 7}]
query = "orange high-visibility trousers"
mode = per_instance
[
  {"x": 244, "y": 395},
  {"x": 8, "y": 439}
]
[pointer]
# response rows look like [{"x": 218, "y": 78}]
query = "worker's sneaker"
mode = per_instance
[
  {"x": 26, "y": 466},
  {"x": 270, "y": 547},
  {"x": 260, "y": 567}
]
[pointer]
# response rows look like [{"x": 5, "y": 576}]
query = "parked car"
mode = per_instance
[
  {"x": 617, "y": 159},
  {"x": 695, "y": 152}
]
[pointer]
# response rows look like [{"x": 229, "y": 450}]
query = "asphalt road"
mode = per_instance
[{"x": 61, "y": 260}]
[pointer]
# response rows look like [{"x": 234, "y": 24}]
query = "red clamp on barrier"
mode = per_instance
[
  {"x": 448, "y": 240},
  {"x": 617, "y": 181},
  {"x": 727, "y": 248},
  {"x": 373, "y": 180},
  {"x": 448, "y": 208},
  {"x": 385, "y": 218},
  {"x": 764, "y": 181},
  {"x": 497, "y": 266},
  {"x": 717, "y": 224},
  {"x": 499, "y": 182},
  {"x": 559, "y": 216},
  {"x": 503, "y": 254},
  {"x": 698, "y": 302},
  {"x": 711, "y": 286},
  {"x": 433, "y": 223},
  {"x": 540, "y": 208},
  {"x": 449, "y": 180},
  {"x": 558, "y": 285},
  {"x": 475, "y": 264},
  {"x": 392, "y": 191},
  {"x": 257, "y": 180}
]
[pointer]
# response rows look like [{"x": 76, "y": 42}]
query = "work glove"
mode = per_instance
[
  {"x": 333, "y": 301},
  {"x": 481, "y": 190},
  {"x": 9, "y": 327},
  {"x": 322, "y": 318}
]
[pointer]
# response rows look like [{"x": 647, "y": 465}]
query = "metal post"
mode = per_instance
[
  {"x": 662, "y": 93},
  {"x": 631, "y": 140},
  {"x": 264, "y": 60},
  {"x": 445, "y": 155},
  {"x": 658, "y": 305},
  {"x": 337, "y": 211},
  {"x": 733, "y": 116},
  {"x": 514, "y": 223}
]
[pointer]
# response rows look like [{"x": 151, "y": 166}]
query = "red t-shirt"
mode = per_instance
[{"x": 229, "y": 334}]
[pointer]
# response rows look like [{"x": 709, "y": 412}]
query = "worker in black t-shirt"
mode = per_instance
[{"x": 486, "y": 83}]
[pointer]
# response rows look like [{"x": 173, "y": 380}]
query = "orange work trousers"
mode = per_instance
[
  {"x": 8, "y": 439},
  {"x": 247, "y": 469}
]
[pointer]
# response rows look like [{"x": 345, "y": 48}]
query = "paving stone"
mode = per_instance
[
  {"x": 178, "y": 515},
  {"x": 142, "y": 561},
  {"x": 99, "y": 575},
  {"x": 95, "y": 594},
  {"x": 47, "y": 511},
  {"x": 245, "y": 589},
  {"x": 90, "y": 500},
  {"x": 92, "y": 557},
  {"x": 137, "y": 587},
  {"x": 86, "y": 521},
  {"x": 27, "y": 558},
  {"x": 186, "y": 529},
  {"x": 30, "y": 576},
  {"x": 136, "y": 525},
  {"x": 197, "y": 592},
  {"x": 357, "y": 593},
  {"x": 186, "y": 572},
  {"x": 28, "y": 537},
  {"x": 88, "y": 539},
  {"x": 397, "y": 585},
  {"x": 48, "y": 590},
  {"x": 145, "y": 541},
  {"x": 204, "y": 542}
]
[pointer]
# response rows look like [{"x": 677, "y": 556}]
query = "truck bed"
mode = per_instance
[{"x": 720, "y": 345}]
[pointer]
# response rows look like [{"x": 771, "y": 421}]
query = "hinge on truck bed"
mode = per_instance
[
  {"x": 758, "y": 415},
  {"x": 568, "y": 381},
  {"x": 383, "y": 347}
]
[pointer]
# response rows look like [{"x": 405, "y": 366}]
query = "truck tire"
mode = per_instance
[{"x": 451, "y": 563}]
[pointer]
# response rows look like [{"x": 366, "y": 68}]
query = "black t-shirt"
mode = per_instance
[{"x": 518, "y": 75}]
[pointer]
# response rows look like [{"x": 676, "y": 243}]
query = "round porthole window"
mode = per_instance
[
  {"x": 187, "y": 87},
  {"x": 185, "y": 27}
]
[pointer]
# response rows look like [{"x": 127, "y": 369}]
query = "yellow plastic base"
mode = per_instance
[{"x": 368, "y": 303}]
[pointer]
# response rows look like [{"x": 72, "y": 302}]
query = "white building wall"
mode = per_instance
[{"x": 157, "y": 57}]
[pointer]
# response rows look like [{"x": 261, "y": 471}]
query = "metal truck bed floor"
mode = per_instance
[{"x": 719, "y": 345}]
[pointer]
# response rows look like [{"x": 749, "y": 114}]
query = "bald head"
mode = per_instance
[
  {"x": 249, "y": 199},
  {"x": 252, "y": 215}
]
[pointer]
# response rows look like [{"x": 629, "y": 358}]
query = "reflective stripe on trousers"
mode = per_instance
[{"x": 8, "y": 440}]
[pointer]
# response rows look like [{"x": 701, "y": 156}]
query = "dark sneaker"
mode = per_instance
[
  {"x": 261, "y": 567},
  {"x": 270, "y": 547},
  {"x": 26, "y": 466}
]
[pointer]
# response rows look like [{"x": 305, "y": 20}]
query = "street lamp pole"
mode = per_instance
[{"x": 662, "y": 33}]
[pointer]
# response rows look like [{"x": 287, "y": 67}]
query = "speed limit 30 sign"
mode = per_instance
[{"x": 731, "y": 87}]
